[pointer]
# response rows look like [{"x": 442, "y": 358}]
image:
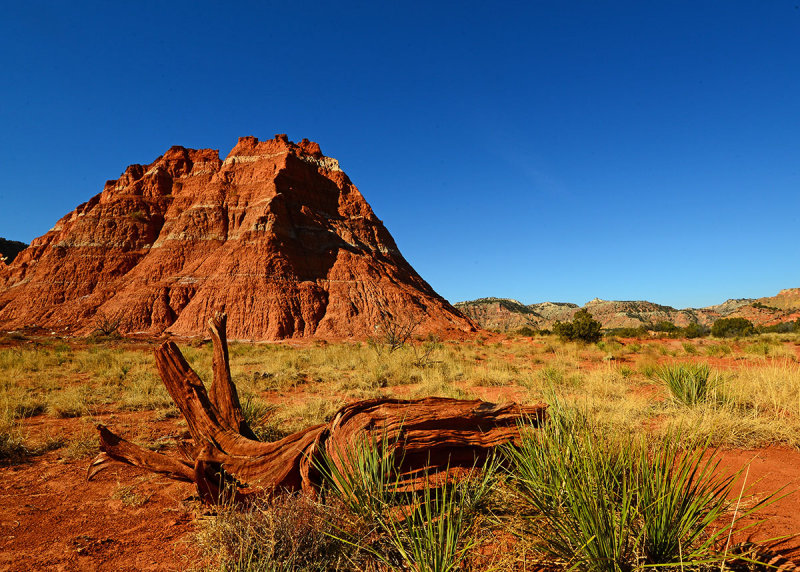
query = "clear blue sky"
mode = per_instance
[{"x": 555, "y": 150}]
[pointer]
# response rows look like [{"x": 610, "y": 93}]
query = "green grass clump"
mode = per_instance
[
  {"x": 260, "y": 417},
  {"x": 689, "y": 384},
  {"x": 363, "y": 475},
  {"x": 427, "y": 529},
  {"x": 614, "y": 503}
]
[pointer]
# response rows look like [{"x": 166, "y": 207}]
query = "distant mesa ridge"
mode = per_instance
[
  {"x": 275, "y": 233},
  {"x": 505, "y": 314}
]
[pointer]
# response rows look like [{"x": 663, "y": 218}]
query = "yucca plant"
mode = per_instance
[
  {"x": 690, "y": 384},
  {"x": 578, "y": 483},
  {"x": 680, "y": 495},
  {"x": 426, "y": 530},
  {"x": 363, "y": 475},
  {"x": 434, "y": 534},
  {"x": 610, "y": 502}
]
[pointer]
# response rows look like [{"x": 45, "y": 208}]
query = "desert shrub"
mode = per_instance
[
  {"x": 527, "y": 331},
  {"x": 392, "y": 332},
  {"x": 732, "y": 328},
  {"x": 432, "y": 529},
  {"x": 667, "y": 329},
  {"x": 695, "y": 331},
  {"x": 606, "y": 502},
  {"x": 718, "y": 350},
  {"x": 424, "y": 351},
  {"x": 689, "y": 384},
  {"x": 781, "y": 328},
  {"x": 107, "y": 326},
  {"x": 758, "y": 348},
  {"x": 582, "y": 328},
  {"x": 640, "y": 332}
]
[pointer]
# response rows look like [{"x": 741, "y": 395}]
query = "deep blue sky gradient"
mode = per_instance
[{"x": 535, "y": 150}]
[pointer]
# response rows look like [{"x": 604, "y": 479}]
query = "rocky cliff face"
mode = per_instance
[
  {"x": 507, "y": 315},
  {"x": 275, "y": 233}
]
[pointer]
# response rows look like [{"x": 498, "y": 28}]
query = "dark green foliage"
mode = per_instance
[
  {"x": 781, "y": 328},
  {"x": 732, "y": 328},
  {"x": 583, "y": 328},
  {"x": 670, "y": 330},
  {"x": 640, "y": 332},
  {"x": 526, "y": 331},
  {"x": 612, "y": 503},
  {"x": 563, "y": 330},
  {"x": 666, "y": 327},
  {"x": 10, "y": 248},
  {"x": 695, "y": 331}
]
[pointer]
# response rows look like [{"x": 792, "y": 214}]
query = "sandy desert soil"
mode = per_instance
[{"x": 52, "y": 518}]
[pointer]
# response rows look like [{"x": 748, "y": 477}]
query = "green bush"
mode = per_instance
[
  {"x": 612, "y": 503},
  {"x": 695, "y": 331},
  {"x": 732, "y": 328},
  {"x": 582, "y": 328},
  {"x": 527, "y": 331},
  {"x": 667, "y": 328},
  {"x": 781, "y": 328},
  {"x": 640, "y": 332}
]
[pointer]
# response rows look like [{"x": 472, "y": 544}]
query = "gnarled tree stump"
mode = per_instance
[{"x": 424, "y": 434}]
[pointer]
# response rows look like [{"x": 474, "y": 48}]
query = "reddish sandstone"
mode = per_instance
[{"x": 276, "y": 234}]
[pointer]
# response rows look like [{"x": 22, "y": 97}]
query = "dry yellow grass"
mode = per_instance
[{"x": 756, "y": 402}]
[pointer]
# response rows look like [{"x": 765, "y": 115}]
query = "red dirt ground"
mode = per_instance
[
  {"x": 51, "y": 518},
  {"x": 770, "y": 470}
]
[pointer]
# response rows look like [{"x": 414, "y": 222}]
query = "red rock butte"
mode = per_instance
[{"x": 276, "y": 234}]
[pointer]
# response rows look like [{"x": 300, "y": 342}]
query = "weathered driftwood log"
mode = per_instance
[{"x": 424, "y": 434}]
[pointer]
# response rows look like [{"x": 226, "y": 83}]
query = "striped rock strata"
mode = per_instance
[{"x": 276, "y": 234}]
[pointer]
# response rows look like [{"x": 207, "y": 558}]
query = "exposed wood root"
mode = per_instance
[{"x": 223, "y": 456}]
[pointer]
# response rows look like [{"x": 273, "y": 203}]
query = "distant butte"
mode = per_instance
[{"x": 276, "y": 234}]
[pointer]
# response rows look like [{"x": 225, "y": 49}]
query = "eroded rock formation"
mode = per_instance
[
  {"x": 504, "y": 314},
  {"x": 275, "y": 233}
]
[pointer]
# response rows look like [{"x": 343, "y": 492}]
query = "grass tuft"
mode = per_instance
[
  {"x": 609, "y": 503},
  {"x": 689, "y": 384}
]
